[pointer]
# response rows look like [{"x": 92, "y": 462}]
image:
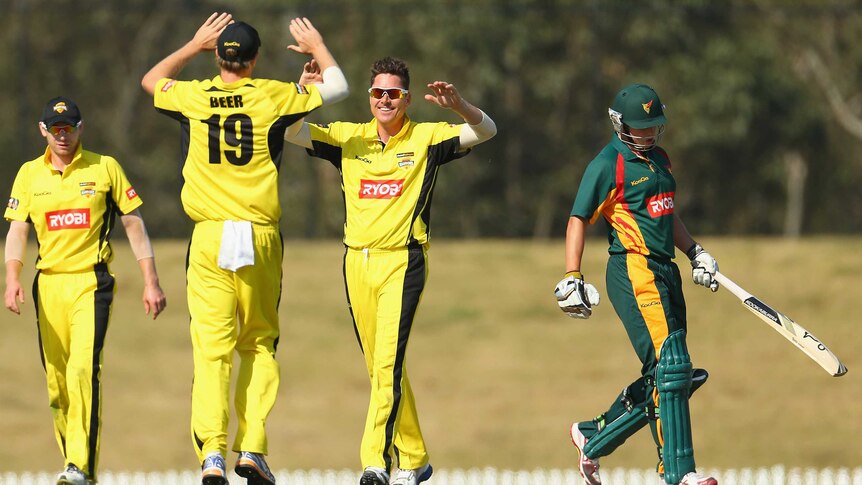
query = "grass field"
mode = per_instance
[{"x": 499, "y": 372}]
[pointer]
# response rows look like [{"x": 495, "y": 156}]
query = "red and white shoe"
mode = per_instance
[
  {"x": 694, "y": 478},
  {"x": 589, "y": 468}
]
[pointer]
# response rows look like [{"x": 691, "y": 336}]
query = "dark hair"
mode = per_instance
[{"x": 391, "y": 65}]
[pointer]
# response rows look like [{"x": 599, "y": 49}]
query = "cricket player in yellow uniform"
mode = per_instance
[
  {"x": 71, "y": 197},
  {"x": 233, "y": 127},
  {"x": 388, "y": 171}
]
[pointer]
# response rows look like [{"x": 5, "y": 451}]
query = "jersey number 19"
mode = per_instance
[{"x": 237, "y": 133}]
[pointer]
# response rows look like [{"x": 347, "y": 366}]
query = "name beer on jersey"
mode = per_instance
[
  {"x": 380, "y": 189},
  {"x": 68, "y": 219},
  {"x": 660, "y": 205}
]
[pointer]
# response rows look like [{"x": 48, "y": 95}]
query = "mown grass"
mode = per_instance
[{"x": 499, "y": 372}]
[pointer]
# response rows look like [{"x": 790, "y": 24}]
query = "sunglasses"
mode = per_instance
[
  {"x": 60, "y": 130},
  {"x": 393, "y": 93}
]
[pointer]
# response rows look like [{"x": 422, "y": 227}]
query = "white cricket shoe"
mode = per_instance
[
  {"x": 412, "y": 477},
  {"x": 694, "y": 478},
  {"x": 72, "y": 476},
  {"x": 589, "y": 468}
]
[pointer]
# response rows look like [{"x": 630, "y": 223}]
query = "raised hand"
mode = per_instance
[
  {"x": 310, "y": 74},
  {"x": 445, "y": 95},
  {"x": 207, "y": 35},
  {"x": 308, "y": 39}
]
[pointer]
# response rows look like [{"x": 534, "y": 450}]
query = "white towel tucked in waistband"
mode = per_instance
[{"x": 237, "y": 247}]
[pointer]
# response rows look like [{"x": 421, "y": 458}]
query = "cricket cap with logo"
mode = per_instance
[
  {"x": 61, "y": 110},
  {"x": 638, "y": 106},
  {"x": 238, "y": 42}
]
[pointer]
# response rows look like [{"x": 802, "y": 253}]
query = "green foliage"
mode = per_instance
[{"x": 544, "y": 70}]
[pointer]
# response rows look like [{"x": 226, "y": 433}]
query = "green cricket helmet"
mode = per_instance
[{"x": 637, "y": 106}]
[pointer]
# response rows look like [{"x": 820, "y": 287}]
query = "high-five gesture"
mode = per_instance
[
  {"x": 206, "y": 36},
  {"x": 308, "y": 39},
  {"x": 310, "y": 73},
  {"x": 445, "y": 95}
]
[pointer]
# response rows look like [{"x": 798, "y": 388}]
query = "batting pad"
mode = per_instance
[{"x": 673, "y": 380}]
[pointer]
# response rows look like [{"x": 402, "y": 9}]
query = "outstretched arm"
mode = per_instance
[
  {"x": 16, "y": 244},
  {"x": 204, "y": 40},
  {"x": 330, "y": 80},
  {"x": 480, "y": 127},
  {"x": 136, "y": 231}
]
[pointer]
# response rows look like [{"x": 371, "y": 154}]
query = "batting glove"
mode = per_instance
[
  {"x": 576, "y": 298},
  {"x": 703, "y": 267}
]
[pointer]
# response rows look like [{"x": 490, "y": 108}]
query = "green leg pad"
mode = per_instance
[
  {"x": 673, "y": 380},
  {"x": 626, "y": 416},
  {"x": 615, "y": 433}
]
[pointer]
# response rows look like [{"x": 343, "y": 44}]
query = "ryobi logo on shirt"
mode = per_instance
[
  {"x": 68, "y": 219},
  {"x": 660, "y": 205},
  {"x": 380, "y": 189}
]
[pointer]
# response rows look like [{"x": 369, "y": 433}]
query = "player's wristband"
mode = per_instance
[
  {"x": 693, "y": 251},
  {"x": 576, "y": 274}
]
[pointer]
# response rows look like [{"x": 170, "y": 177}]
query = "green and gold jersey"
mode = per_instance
[
  {"x": 387, "y": 189},
  {"x": 635, "y": 197},
  {"x": 232, "y": 141},
  {"x": 72, "y": 211}
]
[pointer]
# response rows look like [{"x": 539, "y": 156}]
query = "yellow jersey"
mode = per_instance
[
  {"x": 232, "y": 141},
  {"x": 73, "y": 211},
  {"x": 387, "y": 188}
]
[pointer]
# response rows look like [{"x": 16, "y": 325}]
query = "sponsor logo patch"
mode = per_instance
[
  {"x": 639, "y": 181},
  {"x": 168, "y": 85},
  {"x": 87, "y": 184},
  {"x": 68, "y": 219},
  {"x": 88, "y": 192},
  {"x": 363, "y": 159},
  {"x": 660, "y": 205},
  {"x": 13, "y": 203},
  {"x": 406, "y": 163},
  {"x": 130, "y": 193},
  {"x": 404, "y": 155},
  {"x": 380, "y": 189}
]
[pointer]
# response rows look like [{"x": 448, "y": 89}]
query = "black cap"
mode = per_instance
[
  {"x": 238, "y": 42},
  {"x": 61, "y": 110}
]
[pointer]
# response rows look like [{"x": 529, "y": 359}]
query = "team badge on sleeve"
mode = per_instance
[
  {"x": 130, "y": 193},
  {"x": 13, "y": 203},
  {"x": 168, "y": 85}
]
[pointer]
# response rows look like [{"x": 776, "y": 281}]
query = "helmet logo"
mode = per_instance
[{"x": 647, "y": 106}]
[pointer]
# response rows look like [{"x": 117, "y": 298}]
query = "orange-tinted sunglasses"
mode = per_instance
[{"x": 393, "y": 93}]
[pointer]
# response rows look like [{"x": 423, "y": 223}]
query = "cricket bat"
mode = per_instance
[{"x": 802, "y": 338}]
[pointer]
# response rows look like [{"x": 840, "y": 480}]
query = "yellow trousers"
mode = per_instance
[
  {"x": 73, "y": 310},
  {"x": 383, "y": 289},
  {"x": 233, "y": 311}
]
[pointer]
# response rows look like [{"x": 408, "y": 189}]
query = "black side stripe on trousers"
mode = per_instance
[
  {"x": 103, "y": 298},
  {"x": 414, "y": 284}
]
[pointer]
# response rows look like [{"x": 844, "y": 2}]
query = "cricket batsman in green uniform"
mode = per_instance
[{"x": 630, "y": 184}]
